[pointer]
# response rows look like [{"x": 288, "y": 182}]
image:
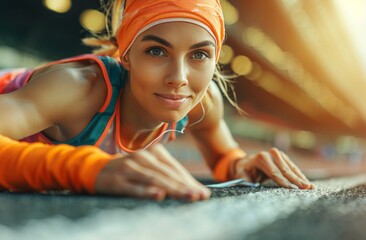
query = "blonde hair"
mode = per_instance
[{"x": 106, "y": 44}]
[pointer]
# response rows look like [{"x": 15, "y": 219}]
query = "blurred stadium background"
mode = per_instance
[{"x": 301, "y": 67}]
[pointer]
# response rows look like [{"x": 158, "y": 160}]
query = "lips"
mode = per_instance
[
  {"x": 173, "y": 97},
  {"x": 172, "y": 100}
]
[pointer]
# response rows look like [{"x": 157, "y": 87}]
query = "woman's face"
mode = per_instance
[{"x": 170, "y": 66}]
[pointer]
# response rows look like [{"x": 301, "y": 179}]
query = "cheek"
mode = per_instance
[
  {"x": 140, "y": 82},
  {"x": 144, "y": 76},
  {"x": 202, "y": 79},
  {"x": 145, "y": 71}
]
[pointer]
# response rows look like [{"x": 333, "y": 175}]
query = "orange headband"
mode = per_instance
[{"x": 140, "y": 15}]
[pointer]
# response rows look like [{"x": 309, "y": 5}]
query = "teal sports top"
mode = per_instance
[{"x": 103, "y": 129}]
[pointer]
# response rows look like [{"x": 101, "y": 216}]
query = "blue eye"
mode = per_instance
[
  {"x": 155, "y": 51},
  {"x": 200, "y": 55}
]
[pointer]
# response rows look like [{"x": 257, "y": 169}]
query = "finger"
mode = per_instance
[
  {"x": 168, "y": 159},
  {"x": 162, "y": 154},
  {"x": 112, "y": 179},
  {"x": 298, "y": 172},
  {"x": 287, "y": 171},
  {"x": 181, "y": 173},
  {"x": 142, "y": 175},
  {"x": 265, "y": 163},
  {"x": 152, "y": 162},
  {"x": 292, "y": 168},
  {"x": 113, "y": 184},
  {"x": 145, "y": 162},
  {"x": 141, "y": 191},
  {"x": 159, "y": 150},
  {"x": 165, "y": 157}
]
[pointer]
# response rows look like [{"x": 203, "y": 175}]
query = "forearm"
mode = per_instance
[{"x": 39, "y": 167}]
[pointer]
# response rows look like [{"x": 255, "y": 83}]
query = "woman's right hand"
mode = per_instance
[{"x": 152, "y": 173}]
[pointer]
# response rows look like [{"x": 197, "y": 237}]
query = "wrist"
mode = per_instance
[{"x": 225, "y": 166}]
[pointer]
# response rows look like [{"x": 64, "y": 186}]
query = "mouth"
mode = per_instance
[{"x": 172, "y": 100}]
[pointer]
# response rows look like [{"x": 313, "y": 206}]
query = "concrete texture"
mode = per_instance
[{"x": 336, "y": 209}]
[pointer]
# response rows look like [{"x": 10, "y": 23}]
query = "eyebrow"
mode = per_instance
[
  {"x": 203, "y": 44},
  {"x": 166, "y": 43},
  {"x": 157, "y": 39}
]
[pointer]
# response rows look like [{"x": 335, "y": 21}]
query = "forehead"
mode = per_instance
[{"x": 179, "y": 30}]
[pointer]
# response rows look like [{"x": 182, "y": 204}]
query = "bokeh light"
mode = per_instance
[
  {"x": 231, "y": 14},
  {"x": 59, "y": 6},
  {"x": 92, "y": 20},
  {"x": 241, "y": 65},
  {"x": 226, "y": 55}
]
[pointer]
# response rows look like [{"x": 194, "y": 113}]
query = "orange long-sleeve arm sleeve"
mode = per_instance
[{"x": 40, "y": 167}]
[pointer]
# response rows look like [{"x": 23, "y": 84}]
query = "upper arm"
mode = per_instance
[
  {"x": 51, "y": 97},
  {"x": 212, "y": 134}
]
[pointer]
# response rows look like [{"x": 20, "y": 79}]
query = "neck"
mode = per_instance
[{"x": 136, "y": 128}]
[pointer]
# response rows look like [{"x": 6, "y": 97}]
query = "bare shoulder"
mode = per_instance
[
  {"x": 60, "y": 97},
  {"x": 76, "y": 88},
  {"x": 73, "y": 78}
]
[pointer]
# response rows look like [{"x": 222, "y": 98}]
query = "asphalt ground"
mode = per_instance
[{"x": 336, "y": 209}]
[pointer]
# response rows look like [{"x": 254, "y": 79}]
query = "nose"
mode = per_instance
[{"x": 177, "y": 74}]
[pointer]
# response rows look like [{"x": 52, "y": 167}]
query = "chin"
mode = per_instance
[{"x": 171, "y": 118}]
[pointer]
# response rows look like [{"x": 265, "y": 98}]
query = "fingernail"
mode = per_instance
[
  {"x": 293, "y": 186},
  {"x": 201, "y": 196},
  {"x": 207, "y": 193},
  {"x": 305, "y": 184},
  {"x": 159, "y": 196},
  {"x": 308, "y": 185},
  {"x": 189, "y": 194},
  {"x": 156, "y": 193}
]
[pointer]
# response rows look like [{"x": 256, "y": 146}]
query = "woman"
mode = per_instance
[{"x": 157, "y": 82}]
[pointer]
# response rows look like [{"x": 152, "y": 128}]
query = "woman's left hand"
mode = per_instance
[{"x": 273, "y": 164}]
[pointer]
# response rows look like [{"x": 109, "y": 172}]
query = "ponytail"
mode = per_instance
[{"x": 106, "y": 44}]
